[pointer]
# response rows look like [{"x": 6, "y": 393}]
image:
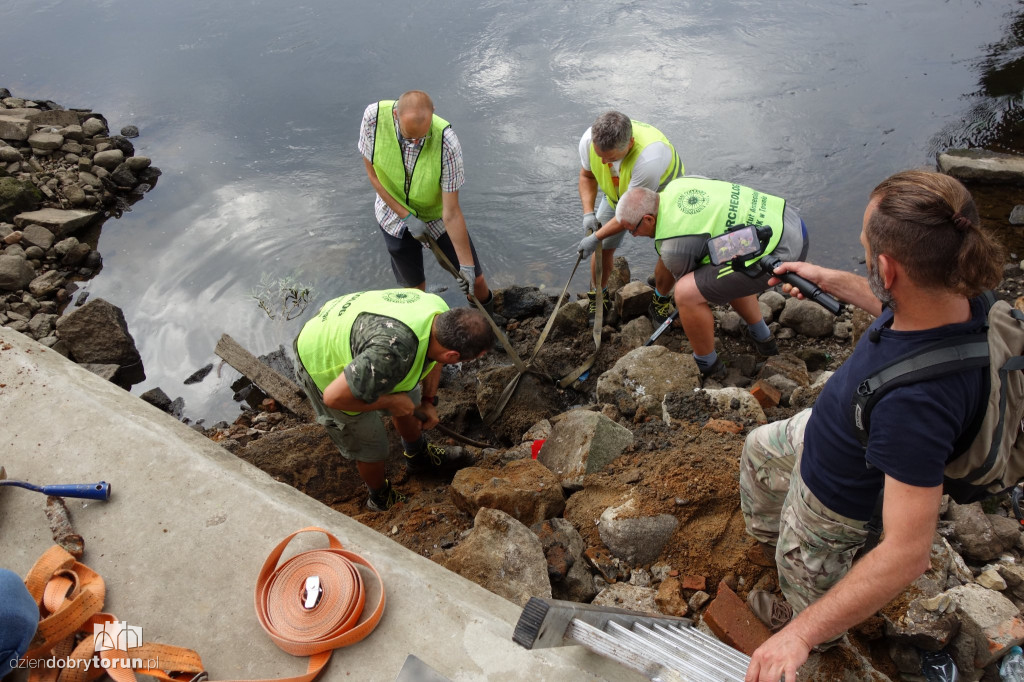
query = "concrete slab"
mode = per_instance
[{"x": 188, "y": 526}]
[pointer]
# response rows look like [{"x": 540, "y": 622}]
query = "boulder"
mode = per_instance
[
  {"x": 45, "y": 142},
  {"x": 37, "y": 235},
  {"x": 15, "y": 273},
  {"x": 524, "y": 489},
  {"x": 582, "y": 442},
  {"x": 989, "y": 625},
  {"x": 647, "y": 372},
  {"x": 17, "y": 196},
  {"x": 977, "y": 165},
  {"x": 633, "y": 537},
  {"x": 62, "y": 222},
  {"x": 636, "y": 332},
  {"x": 518, "y": 303},
  {"x": 807, "y": 317},
  {"x": 570, "y": 322},
  {"x": 503, "y": 556},
  {"x": 97, "y": 333},
  {"x": 632, "y": 300},
  {"x": 568, "y": 570},
  {"x": 14, "y": 128},
  {"x": 973, "y": 532},
  {"x": 46, "y": 284}
]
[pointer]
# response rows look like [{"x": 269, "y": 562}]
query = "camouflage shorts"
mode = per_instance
[
  {"x": 360, "y": 437},
  {"x": 814, "y": 546}
]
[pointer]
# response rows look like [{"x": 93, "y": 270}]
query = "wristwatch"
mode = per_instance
[{"x": 432, "y": 399}]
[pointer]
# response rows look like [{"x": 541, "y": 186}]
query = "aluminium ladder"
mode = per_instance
[{"x": 662, "y": 648}]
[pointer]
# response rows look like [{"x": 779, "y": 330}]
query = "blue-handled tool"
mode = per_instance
[{"x": 89, "y": 491}]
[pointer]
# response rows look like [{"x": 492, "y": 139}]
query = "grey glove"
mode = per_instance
[
  {"x": 590, "y": 223},
  {"x": 588, "y": 245},
  {"x": 417, "y": 228},
  {"x": 468, "y": 273}
]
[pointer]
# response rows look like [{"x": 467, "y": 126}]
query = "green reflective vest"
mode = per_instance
[
  {"x": 325, "y": 343},
  {"x": 698, "y": 206},
  {"x": 643, "y": 135},
  {"x": 423, "y": 196}
]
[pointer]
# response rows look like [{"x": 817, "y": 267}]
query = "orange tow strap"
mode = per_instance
[{"x": 309, "y": 605}]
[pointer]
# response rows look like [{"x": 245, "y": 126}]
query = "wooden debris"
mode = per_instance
[
  {"x": 60, "y": 525},
  {"x": 280, "y": 388}
]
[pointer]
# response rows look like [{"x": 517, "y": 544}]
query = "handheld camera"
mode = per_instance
[{"x": 749, "y": 241}]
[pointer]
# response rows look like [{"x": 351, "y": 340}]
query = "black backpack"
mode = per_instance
[{"x": 989, "y": 458}]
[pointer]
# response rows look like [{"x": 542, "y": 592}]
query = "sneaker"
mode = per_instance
[
  {"x": 384, "y": 498},
  {"x": 762, "y": 554},
  {"x": 592, "y": 306},
  {"x": 770, "y": 609},
  {"x": 661, "y": 309},
  {"x": 437, "y": 458}
]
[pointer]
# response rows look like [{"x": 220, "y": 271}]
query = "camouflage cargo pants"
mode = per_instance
[{"x": 814, "y": 546}]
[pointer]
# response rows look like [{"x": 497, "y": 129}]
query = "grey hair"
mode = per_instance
[
  {"x": 611, "y": 131},
  {"x": 635, "y": 204},
  {"x": 464, "y": 330}
]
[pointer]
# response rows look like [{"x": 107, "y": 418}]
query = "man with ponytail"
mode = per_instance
[{"x": 808, "y": 487}]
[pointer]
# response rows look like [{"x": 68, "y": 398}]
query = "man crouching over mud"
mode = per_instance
[
  {"x": 383, "y": 350},
  {"x": 807, "y": 485}
]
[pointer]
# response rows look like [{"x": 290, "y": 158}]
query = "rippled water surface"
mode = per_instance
[{"x": 252, "y": 111}]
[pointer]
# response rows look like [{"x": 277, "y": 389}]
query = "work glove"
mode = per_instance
[
  {"x": 417, "y": 228},
  {"x": 468, "y": 273},
  {"x": 589, "y": 223},
  {"x": 588, "y": 245}
]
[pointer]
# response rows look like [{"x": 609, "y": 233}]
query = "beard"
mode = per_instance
[{"x": 878, "y": 287}]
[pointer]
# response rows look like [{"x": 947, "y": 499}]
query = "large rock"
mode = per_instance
[
  {"x": 807, "y": 317},
  {"x": 976, "y": 165},
  {"x": 97, "y": 333},
  {"x": 15, "y": 273},
  {"x": 632, "y": 300},
  {"x": 61, "y": 222},
  {"x": 17, "y": 196},
  {"x": 633, "y": 537},
  {"x": 580, "y": 443},
  {"x": 525, "y": 489},
  {"x": 46, "y": 284},
  {"x": 568, "y": 570},
  {"x": 736, "y": 404},
  {"x": 37, "y": 235},
  {"x": 45, "y": 142},
  {"x": 14, "y": 128},
  {"x": 989, "y": 625},
  {"x": 503, "y": 556},
  {"x": 973, "y": 531},
  {"x": 517, "y": 303},
  {"x": 645, "y": 375}
]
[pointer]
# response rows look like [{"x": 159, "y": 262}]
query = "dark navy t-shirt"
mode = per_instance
[{"x": 913, "y": 428}]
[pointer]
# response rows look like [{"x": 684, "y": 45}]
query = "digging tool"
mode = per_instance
[
  {"x": 453, "y": 433},
  {"x": 89, "y": 491},
  {"x": 663, "y": 328}
]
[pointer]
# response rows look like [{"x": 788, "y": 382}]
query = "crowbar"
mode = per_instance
[{"x": 89, "y": 491}]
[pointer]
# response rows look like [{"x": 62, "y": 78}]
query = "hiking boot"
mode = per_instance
[
  {"x": 436, "y": 458},
  {"x": 767, "y": 347},
  {"x": 716, "y": 371},
  {"x": 592, "y": 306},
  {"x": 661, "y": 309},
  {"x": 762, "y": 554},
  {"x": 771, "y": 609},
  {"x": 385, "y": 498}
]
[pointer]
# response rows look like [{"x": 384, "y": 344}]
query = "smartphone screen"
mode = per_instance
[{"x": 735, "y": 244}]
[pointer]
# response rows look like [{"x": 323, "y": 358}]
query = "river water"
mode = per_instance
[{"x": 252, "y": 109}]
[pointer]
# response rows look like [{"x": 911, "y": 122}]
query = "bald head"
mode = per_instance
[{"x": 415, "y": 112}]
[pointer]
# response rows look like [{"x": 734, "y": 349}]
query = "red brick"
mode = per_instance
[
  {"x": 733, "y": 623},
  {"x": 723, "y": 426},
  {"x": 694, "y": 582},
  {"x": 766, "y": 394}
]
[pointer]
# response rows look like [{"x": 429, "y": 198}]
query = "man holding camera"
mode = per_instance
[
  {"x": 617, "y": 154},
  {"x": 681, "y": 219},
  {"x": 808, "y": 487}
]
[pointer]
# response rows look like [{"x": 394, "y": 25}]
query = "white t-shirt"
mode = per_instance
[{"x": 650, "y": 165}]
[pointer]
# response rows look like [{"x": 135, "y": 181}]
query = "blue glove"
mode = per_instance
[
  {"x": 417, "y": 228},
  {"x": 588, "y": 245},
  {"x": 468, "y": 273},
  {"x": 590, "y": 223}
]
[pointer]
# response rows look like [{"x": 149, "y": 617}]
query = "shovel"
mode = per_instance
[{"x": 89, "y": 491}]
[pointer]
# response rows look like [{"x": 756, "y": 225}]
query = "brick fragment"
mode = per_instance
[
  {"x": 694, "y": 582},
  {"x": 767, "y": 395},
  {"x": 732, "y": 622}
]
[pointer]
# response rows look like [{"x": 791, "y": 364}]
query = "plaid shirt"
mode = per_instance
[{"x": 452, "y": 173}]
